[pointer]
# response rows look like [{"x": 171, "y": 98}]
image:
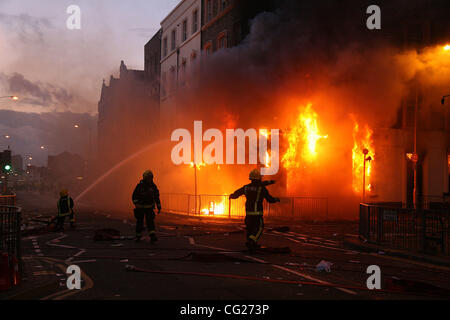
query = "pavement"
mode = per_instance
[{"x": 202, "y": 258}]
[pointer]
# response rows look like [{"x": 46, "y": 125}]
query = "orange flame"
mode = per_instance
[
  {"x": 215, "y": 208},
  {"x": 303, "y": 138},
  {"x": 362, "y": 139}
]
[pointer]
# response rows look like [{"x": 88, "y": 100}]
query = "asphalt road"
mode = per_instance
[{"x": 205, "y": 258}]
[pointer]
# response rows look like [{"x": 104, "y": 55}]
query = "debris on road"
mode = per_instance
[
  {"x": 324, "y": 266},
  {"x": 282, "y": 250},
  {"x": 124, "y": 260},
  {"x": 280, "y": 229},
  {"x": 291, "y": 264},
  {"x": 106, "y": 234},
  {"x": 117, "y": 245},
  {"x": 213, "y": 257}
]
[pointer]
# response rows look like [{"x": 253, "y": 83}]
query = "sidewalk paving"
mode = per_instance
[{"x": 356, "y": 244}]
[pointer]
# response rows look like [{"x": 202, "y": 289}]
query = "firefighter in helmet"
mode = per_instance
[
  {"x": 145, "y": 196},
  {"x": 255, "y": 193},
  {"x": 65, "y": 208}
]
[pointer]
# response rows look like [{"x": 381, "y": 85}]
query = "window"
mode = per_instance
[
  {"x": 174, "y": 39},
  {"x": 195, "y": 21},
  {"x": 222, "y": 41},
  {"x": 209, "y": 10},
  {"x": 223, "y": 4},
  {"x": 165, "y": 47},
  {"x": 184, "y": 37},
  {"x": 208, "y": 48}
]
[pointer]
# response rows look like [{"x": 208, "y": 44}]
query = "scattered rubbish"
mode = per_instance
[
  {"x": 130, "y": 267},
  {"x": 117, "y": 245},
  {"x": 324, "y": 266},
  {"x": 354, "y": 261},
  {"x": 151, "y": 254},
  {"x": 300, "y": 285},
  {"x": 59, "y": 275},
  {"x": 350, "y": 252},
  {"x": 291, "y": 264},
  {"x": 62, "y": 284},
  {"x": 106, "y": 234},
  {"x": 300, "y": 294},
  {"x": 124, "y": 260},
  {"x": 117, "y": 295},
  {"x": 282, "y": 250},
  {"x": 226, "y": 234},
  {"x": 266, "y": 277},
  {"x": 108, "y": 216},
  {"x": 381, "y": 252},
  {"x": 125, "y": 221},
  {"x": 280, "y": 229},
  {"x": 237, "y": 263},
  {"x": 335, "y": 234},
  {"x": 213, "y": 257}
]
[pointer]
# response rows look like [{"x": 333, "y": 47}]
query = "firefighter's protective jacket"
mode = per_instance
[
  {"x": 146, "y": 195},
  {"x": 255, "y": 194},
  {"x": 65, "y": 206}
]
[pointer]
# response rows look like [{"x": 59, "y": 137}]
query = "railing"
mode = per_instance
[
  {"x": 295, "y": 208},
  {"x": 10, "y": 246},
  {"x": 8, "y": 200},
  {"x": 421, "y": 230}
]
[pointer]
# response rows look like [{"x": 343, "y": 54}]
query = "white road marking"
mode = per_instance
[{"x": 285, "y": 269}]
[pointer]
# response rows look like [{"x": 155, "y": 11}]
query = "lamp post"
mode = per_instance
[{"x": 366, "y": 158}]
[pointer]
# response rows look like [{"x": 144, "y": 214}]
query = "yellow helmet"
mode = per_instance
[
  {"x": 255, "y": 175},
  {"x": 147, "y": 174},
  {"x": 64, "y": 192}
]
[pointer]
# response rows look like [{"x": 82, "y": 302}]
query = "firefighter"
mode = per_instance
[
  {"x": 65, "y": 208},
  {"x": 145, "y": 196},
  {"x": 255, "y": 193}
]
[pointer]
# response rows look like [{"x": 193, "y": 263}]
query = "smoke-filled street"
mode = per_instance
[{"x": 205, "y": 259}]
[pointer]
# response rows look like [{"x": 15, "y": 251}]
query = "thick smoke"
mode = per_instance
[{"x": 317, "y": 52}]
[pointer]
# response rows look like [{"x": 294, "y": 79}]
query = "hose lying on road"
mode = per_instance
[{"x": 231, "y": 276}]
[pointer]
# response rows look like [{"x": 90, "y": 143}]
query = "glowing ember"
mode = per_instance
[
  {"x": 362, "y": 143},
  {"x": 303, "y": 138}
]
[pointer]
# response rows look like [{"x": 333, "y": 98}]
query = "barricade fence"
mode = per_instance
[
  {"x": 295, "y": 208},
  {"x": 10, "y": 246},
  {"x": 8, "y": 200},
  {"x": 421, "y": 230}
]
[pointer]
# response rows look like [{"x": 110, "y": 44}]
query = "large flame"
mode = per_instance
[
  {"x": 303, "y": 138},
  {"x": 362, "y": 140},
  {"x": 215, "y": 208}
]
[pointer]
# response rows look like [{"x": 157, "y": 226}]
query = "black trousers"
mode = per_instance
[
  {"x": 255, "y": 227},
  {"x": 60, "y": 220},
  {"x": 149, "y": 215}
]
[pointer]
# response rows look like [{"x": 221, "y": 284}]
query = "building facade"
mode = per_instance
[
  {"x": 180, "y": 51},
  {"x": 227, "y": 22}
]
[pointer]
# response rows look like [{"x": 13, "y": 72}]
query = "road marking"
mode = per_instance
[
  {"x": 286, "y": 269},
  {"x": 84, "y": 261}
]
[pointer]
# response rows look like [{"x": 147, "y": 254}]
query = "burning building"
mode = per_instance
[{"x": 358, "y": 110}]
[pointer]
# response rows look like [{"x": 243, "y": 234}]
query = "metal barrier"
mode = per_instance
[
  {"x": 8, "y": 200},
  {"x": 421, "y": 230},
  {"x": 10, "y": 240},
  {"x": 295, "y": 208}
]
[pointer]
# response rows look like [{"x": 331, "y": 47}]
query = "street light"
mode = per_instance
[
  {"x": 369, "y": 158},
  {"x": 14, "y": 98}
]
